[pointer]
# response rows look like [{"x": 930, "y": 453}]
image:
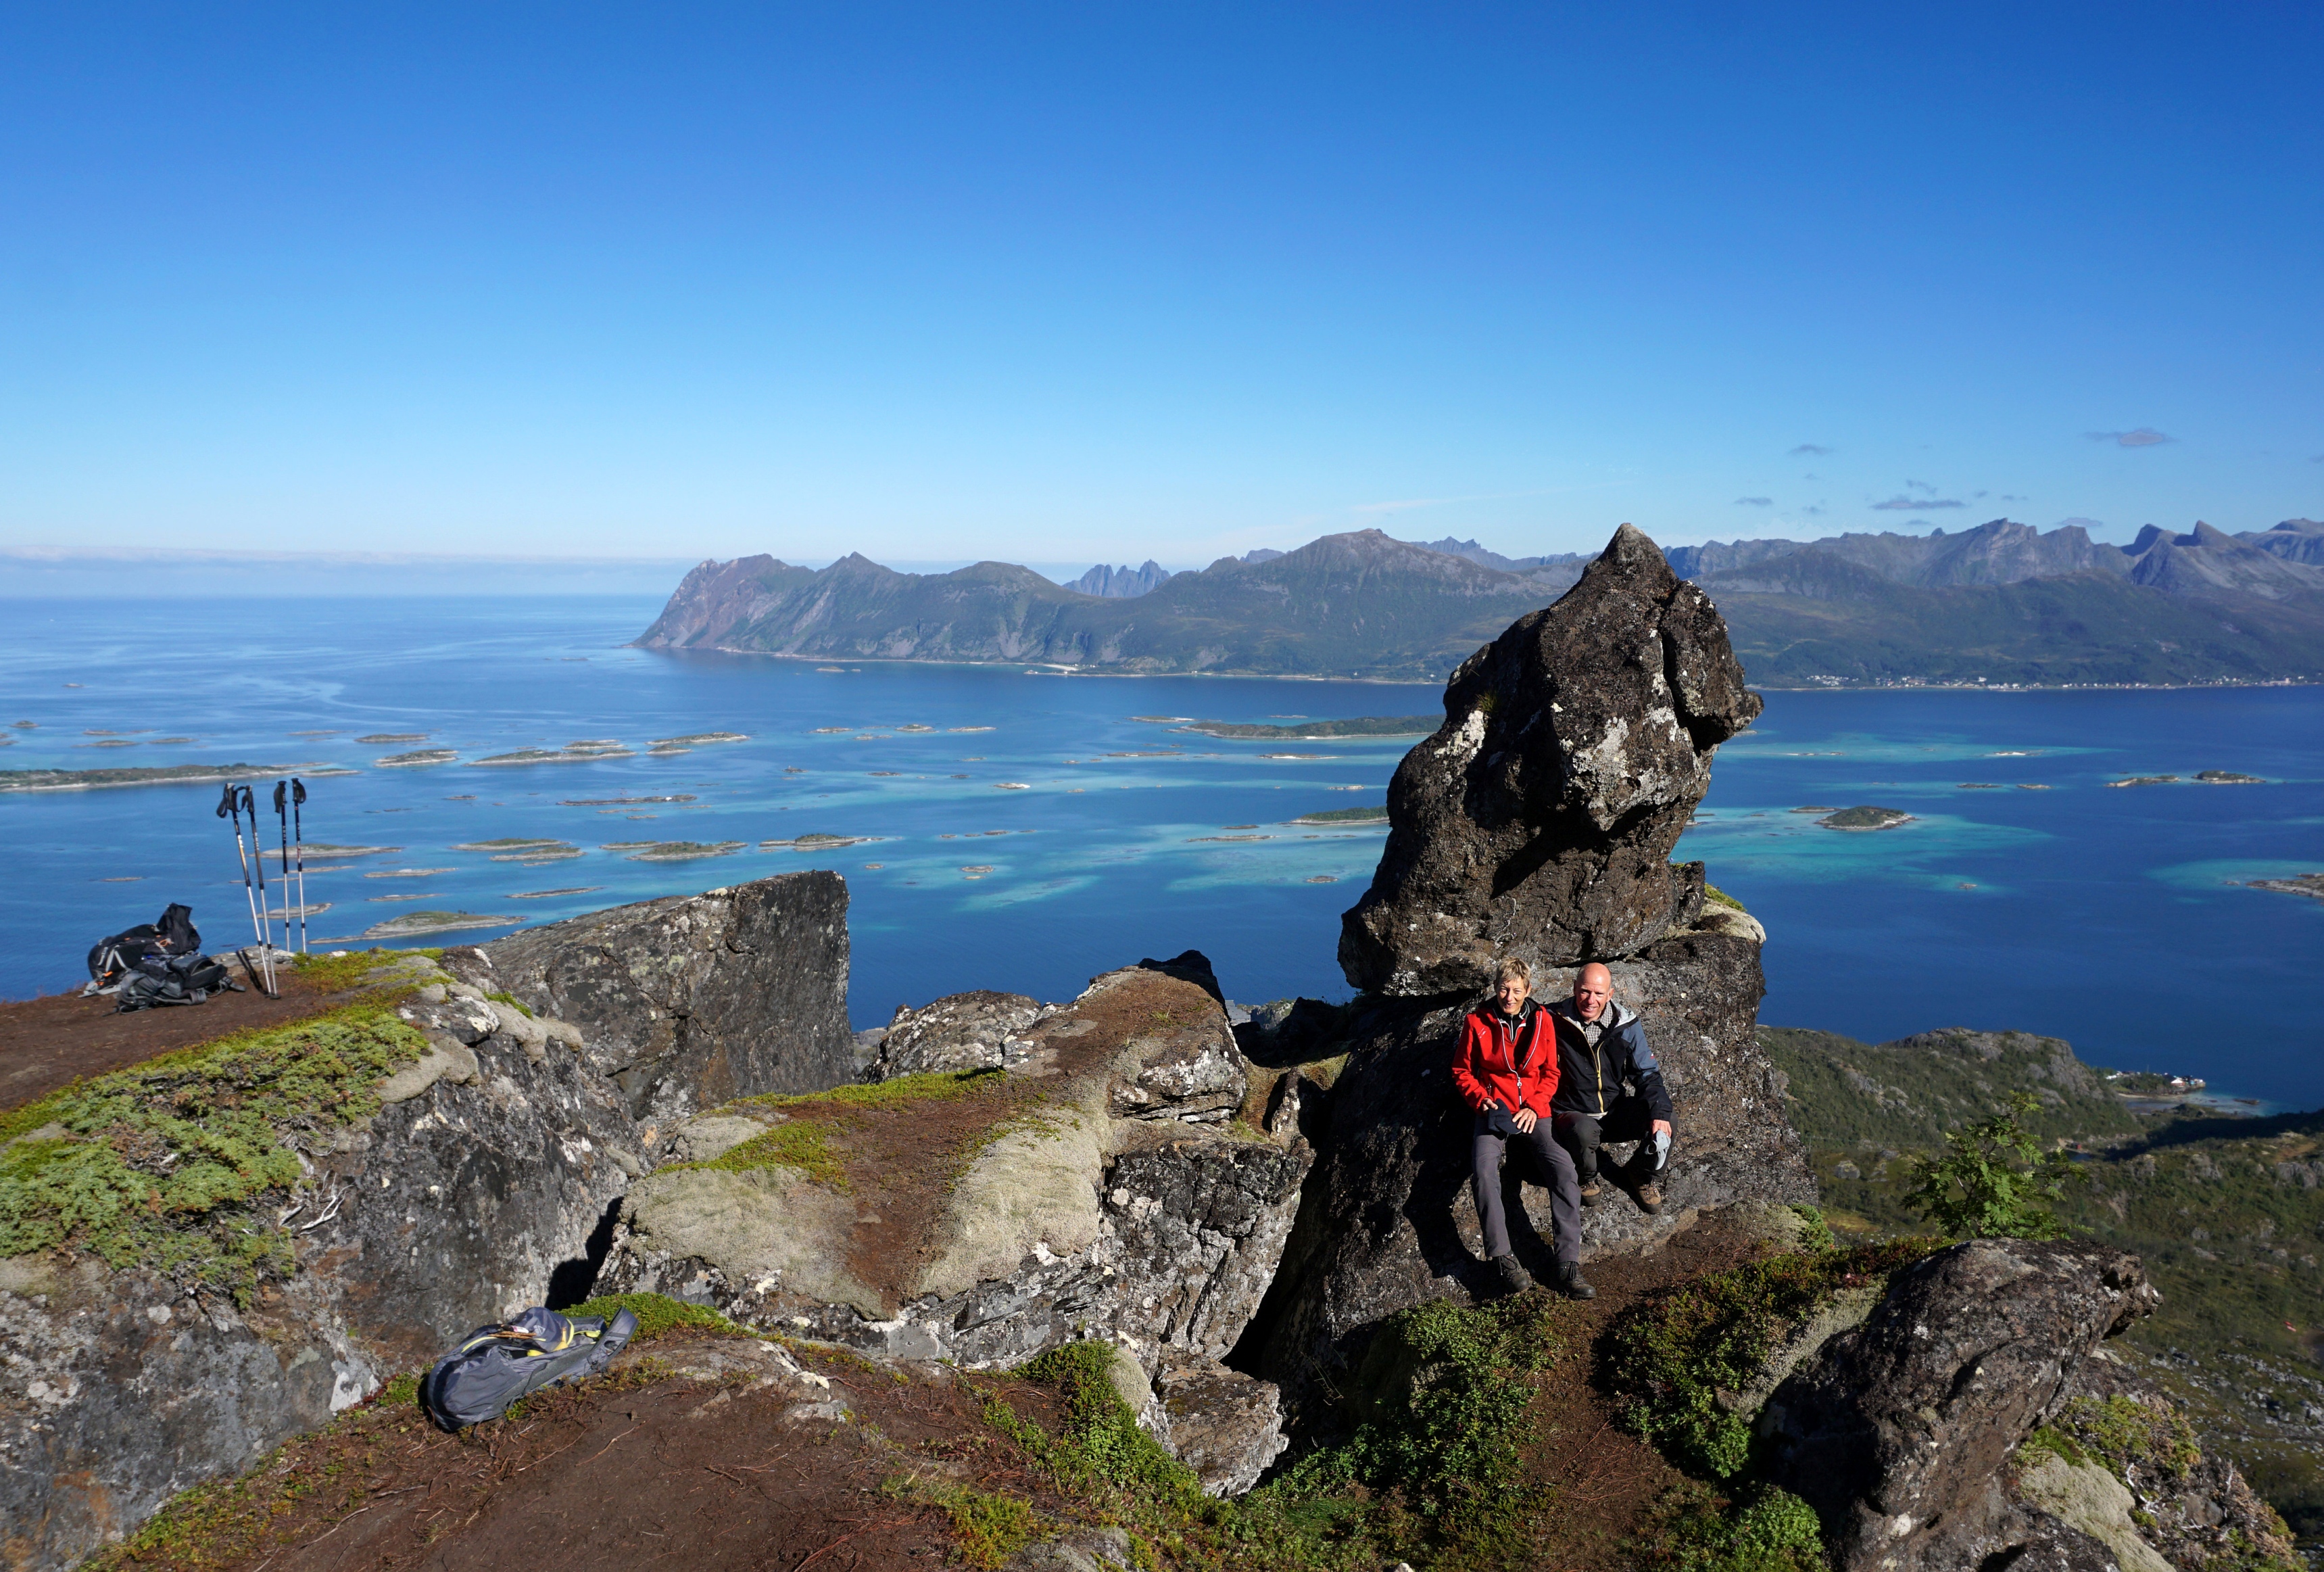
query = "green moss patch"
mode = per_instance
[
  {"x": 1673, "y": 1358},
  {"x": 188, "y": 1164},
  {"x": 1719, "y": 897},
  {"x": 339, "y": 974},
  {"x": 658, "y": 1316}
]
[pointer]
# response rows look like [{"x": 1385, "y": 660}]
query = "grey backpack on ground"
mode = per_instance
[{"x": 493, "y": 1366}]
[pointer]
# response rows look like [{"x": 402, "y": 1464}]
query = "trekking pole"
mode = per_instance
[
  {"x": 266, "y": 928},
  {"x": 299, "y": 845},
  {"x": 282, "y": 824},
  {"x": 230, "y": 805}
]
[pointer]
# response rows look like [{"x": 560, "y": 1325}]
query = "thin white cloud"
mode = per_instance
[
  {"x": 1809, "y": 451},
  {"x": 1898, "y": 504},
  {"x": 2144, "y": 437},
  {"x": 1755, "y": 501}
]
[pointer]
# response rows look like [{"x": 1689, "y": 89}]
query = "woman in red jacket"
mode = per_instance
[{"x": 1505, "y": 1071}]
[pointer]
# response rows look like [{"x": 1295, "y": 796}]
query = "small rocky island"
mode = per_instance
[
  {"x": 1866, "y": 817},
  {"x": 2308, "y": 884}
]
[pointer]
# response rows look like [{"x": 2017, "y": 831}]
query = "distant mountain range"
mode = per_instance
[
  {"x": 1120, "y": 583},
  {"x": 2000, "y": 603}
]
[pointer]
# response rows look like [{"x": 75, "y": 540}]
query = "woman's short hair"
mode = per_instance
[{"x": 1513, "y": 969}]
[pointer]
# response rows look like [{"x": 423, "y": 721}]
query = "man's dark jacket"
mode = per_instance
[{"x": 1589, "y": 1079}]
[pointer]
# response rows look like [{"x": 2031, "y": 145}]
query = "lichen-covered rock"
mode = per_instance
[
  {"x": 961, "y": 1031},
  {"x": 1898, "y": 1431},
  {"x": 1225, "y": 1426},
  {"x": 689, "y": 1000},
  {"x": 1538, "y": 821},
  {"x": 1392, "y": 1223},
  {"x": 1094, "y": 1193},
  {"x": 473, "y": 1191},
  {"x": 2195, "y": 1509},
  {"x": 120, "y": 1391}
]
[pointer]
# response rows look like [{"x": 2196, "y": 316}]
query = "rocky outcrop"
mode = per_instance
[
  {"x": 1391, "y": 1221},
  {"x": 1225, "y": 1426},
  {"x": 689, "y": 1000},
  {"x": 962, "y": 1031},
  {"x": 474, "y": 1190},
  {"x": 1538, "y": 821},
  {"x": 1093, "y": 1190},
  {"x": 1899, "y": 1432}
]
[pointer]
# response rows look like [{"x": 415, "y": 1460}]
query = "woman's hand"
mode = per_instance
[{"x": 1524, "y": 1118}]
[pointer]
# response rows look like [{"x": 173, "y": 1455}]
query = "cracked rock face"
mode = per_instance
[
  {"x": 1897, "y": 1432},
  {"x": 1116, "y": 1205},
  {"x": 1538, "y": 821},
  {"x": 689, "y": 1000}
]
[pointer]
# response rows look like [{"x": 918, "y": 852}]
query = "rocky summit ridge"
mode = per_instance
[{"x": 1225, "y": 1242}]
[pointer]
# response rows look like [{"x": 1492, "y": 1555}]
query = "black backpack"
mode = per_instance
[
  {"x": 168, "y": 979},
  {"x": 109, "y": 959},
  {"x": 493, "y": 1366}
]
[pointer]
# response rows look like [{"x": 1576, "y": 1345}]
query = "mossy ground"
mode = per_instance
[
  {"x": 821, "y": 1132},
  {"x": 1467, "y": 1450},
  {"x": 189, "y": 1164}
]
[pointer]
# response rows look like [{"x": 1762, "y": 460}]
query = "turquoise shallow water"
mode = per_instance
[{"x": 2108, "y": 916}]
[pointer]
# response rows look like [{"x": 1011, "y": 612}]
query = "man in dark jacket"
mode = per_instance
[{"x": 1609, "y": 1088}]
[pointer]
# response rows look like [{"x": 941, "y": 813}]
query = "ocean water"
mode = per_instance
[{"x": 1039, "y": 832}]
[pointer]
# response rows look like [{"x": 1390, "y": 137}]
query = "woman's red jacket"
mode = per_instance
[{"x": 1514, "y": 1067}]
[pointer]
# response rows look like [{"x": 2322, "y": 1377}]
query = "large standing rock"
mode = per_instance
[
  {"x": 1391, "y": 1221},
  {"x": 1538, "y": 821},
  {"x": 688, "y": 1001},
  {"x": 1093, "y": 1191},
  {"x": 1898, "y": 1431}
]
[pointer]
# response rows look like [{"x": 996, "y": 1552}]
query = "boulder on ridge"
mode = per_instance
[
  {"x": 976, "y": 1031},
  {"x": 692, "y": 1000},
  {"x": 1898, "y": 1432},
  {"x": 1538, "y": 821}
]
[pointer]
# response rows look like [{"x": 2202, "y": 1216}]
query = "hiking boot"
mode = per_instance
[
  {"x": 1593, "y": 1192},
  {"x": 1571, "y": 1283},
  {"x": 1514, "y": 1279},
  {"x": 1649, "y": 1196}
]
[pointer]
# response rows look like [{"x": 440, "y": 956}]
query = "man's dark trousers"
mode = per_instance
[
  {"x": 1552, "y": 1163},
  {"x": 1626, "y": 1119}
]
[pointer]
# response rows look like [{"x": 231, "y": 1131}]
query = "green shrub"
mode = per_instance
[
  {"x": 1695, "y": 1530},
  {"x": 1452, "y": 1386},
  {"x": 1994, "y": 1181},
  {"x": 1673, "y": 1357}
]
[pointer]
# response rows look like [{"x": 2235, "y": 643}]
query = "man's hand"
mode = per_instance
[
  {"x": 1524, "y": 1118},
  {"x": 1662, "y": 1127}
]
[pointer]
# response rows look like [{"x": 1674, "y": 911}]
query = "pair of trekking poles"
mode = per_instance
[{"x": 290, "y": 796}]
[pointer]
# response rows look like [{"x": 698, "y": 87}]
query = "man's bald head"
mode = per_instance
[{"x": 1593, "y": 984}]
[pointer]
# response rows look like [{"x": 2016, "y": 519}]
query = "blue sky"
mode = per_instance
[{"x": 1060, "y": 283}]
